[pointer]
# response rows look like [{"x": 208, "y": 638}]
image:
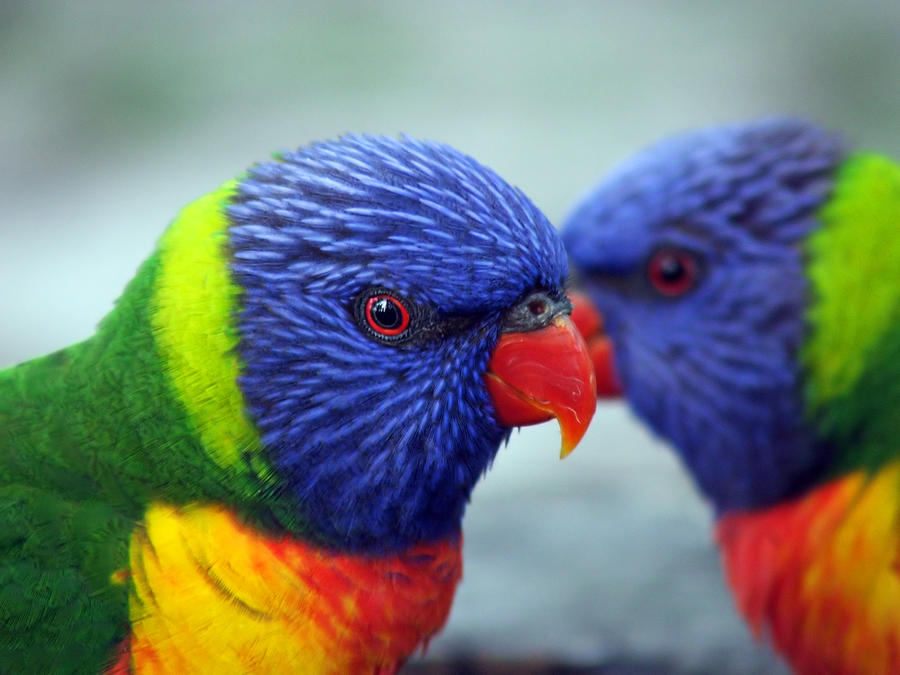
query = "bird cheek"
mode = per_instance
[{"x": 537, "y": 375}]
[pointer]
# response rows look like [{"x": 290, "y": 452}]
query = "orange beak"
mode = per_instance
[
  {"x": 537, "y": 375},
  {"x": 590, "y": 324}
]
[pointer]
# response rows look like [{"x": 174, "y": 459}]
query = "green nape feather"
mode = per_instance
[
  {"x": 90, "y": 435},
  {"x": 853, "y": 352}
]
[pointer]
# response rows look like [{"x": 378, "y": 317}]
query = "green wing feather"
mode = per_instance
[
  {"x": 59, "y": 611},
  {"x": 76, "y": 477}
]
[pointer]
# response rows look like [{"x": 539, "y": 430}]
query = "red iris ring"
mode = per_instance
[
  {"x": 378, "y": 328},
  {"x": 667, "y": 286}
]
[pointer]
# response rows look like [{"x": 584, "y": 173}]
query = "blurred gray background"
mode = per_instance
[{"x": 114, "y": 115}]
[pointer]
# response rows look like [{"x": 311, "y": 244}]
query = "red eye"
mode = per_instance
[
  {"x": 672, "y": 271},
  {"x": 386, "y": 315}
]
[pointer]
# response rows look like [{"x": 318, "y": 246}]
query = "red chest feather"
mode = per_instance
[{"x": 820, "y": 574}]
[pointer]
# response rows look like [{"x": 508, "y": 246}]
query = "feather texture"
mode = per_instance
[
  {"x": 819, "y": 574},
  {"x": 211, "y": 594}
]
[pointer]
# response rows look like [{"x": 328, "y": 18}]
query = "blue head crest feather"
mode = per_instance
[
  {"x": 715, "y": 370},
  {"x": 379, "y": 444}
]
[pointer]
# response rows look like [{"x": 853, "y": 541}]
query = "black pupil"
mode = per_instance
[
  {"x": 537, "y": 307},
  {"x": 386, "y": 314},
  {"x": 671, "y": 269}
]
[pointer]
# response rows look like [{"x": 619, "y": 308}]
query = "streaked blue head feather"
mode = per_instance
[
  {"x": 715, "y": 370},
  {"x": 380, "y": 444}
]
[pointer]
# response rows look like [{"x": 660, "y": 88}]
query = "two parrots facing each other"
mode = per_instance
[
  {"x": 261, "y": 459},
  {"x": 748, "y": 278}
]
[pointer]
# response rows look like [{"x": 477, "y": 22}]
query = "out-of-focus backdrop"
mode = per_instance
[{"x": 114, "y": 115}]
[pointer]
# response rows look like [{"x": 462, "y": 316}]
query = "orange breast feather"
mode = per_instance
[
  {"x": 212, "y": 595},
  {"x": 820, "y": 574}
]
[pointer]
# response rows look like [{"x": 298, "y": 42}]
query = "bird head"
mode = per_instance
[
  {"x": 400, "y": 308},
  {"x": 693, "y": 251}
]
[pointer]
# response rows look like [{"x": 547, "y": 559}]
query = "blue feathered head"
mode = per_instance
[
  {"x": 377, "y": 276},
  {"x": 693, "y": 252}
]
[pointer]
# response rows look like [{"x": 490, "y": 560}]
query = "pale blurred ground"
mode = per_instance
[{"x": 113, "y": 115}]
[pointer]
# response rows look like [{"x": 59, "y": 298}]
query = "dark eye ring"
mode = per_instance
[
  {"x": 386, "y": 315},
  {"x": 672, "y": 271}
]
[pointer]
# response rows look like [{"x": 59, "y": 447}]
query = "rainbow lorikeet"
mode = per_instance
[
  {"x": 748, "y": 277},
  {"x": 260, "y": 461}
]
